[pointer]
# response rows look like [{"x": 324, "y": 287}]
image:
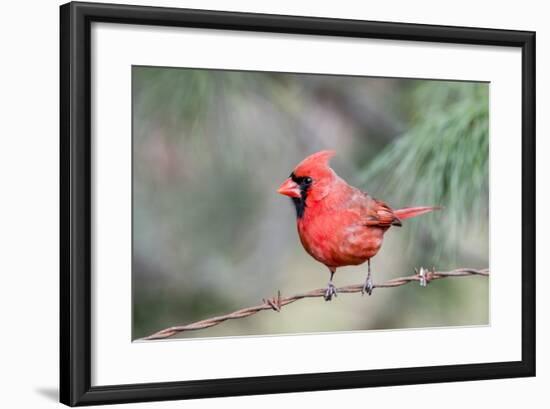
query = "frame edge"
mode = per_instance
[
  {"x": 75, "y": 205},
  {"x": 528, "y": 56}
]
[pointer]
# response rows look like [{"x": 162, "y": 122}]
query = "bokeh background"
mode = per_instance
[{"x": 211, "y": 235}]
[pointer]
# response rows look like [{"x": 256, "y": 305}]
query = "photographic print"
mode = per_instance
[
  {"x": 287, "y": 186},
  {"x": 269, "y": 203}
]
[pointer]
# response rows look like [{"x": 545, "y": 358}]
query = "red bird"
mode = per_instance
[{"x": 338, "y": 224}]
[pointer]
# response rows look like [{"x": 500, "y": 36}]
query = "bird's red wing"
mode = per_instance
[{"x": 380, "y": 214}]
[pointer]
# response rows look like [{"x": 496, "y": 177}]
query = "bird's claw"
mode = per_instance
[
  {"x": 367, "y": 287},
  {"x": 330, "y": 291}
]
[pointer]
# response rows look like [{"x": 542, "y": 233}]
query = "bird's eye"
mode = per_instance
[{"x": 308, "y": 180}]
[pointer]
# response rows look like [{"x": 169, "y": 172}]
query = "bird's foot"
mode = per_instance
[
  {"x": 368, "y": 286},
  {"x": 330, "y": 291}
]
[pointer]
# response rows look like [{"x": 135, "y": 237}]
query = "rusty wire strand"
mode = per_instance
[{"x": 423, "y": 276}]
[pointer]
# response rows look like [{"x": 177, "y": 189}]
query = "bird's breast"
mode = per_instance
[{"x": 338, "y": 238}]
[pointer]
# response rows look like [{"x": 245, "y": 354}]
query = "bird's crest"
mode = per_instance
[{"x": 314, "y": 163}]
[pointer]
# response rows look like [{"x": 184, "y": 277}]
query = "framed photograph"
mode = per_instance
[{"x": 257, "y": 204}]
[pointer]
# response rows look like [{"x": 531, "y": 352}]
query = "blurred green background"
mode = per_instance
[{"x": 211, "y": 235}]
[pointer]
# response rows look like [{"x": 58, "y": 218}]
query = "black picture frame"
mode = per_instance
[{"x": 76, "y": 199}]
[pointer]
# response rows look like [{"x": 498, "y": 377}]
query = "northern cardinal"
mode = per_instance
[{"x": 338, "y": 224}]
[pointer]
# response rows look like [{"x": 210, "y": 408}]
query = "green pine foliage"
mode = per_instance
[{"x": 443, "y": 159}]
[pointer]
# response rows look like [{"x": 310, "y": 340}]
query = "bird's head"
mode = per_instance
[{"x": 309, "y": 181}]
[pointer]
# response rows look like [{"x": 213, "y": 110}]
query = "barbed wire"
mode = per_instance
[{"x": 422, "y": 275}]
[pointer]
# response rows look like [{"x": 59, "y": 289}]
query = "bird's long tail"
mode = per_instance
[{"x": 409, "y": 212}]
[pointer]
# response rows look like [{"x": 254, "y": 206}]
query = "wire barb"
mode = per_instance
[
  {"x": 274, "y": 303},
  {"x": 422, "y": 276}
]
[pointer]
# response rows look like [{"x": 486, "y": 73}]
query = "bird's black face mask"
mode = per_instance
[{"x": 304, "y": 182}]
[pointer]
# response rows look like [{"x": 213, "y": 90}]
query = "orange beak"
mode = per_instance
[{"x": 289, "y": 188}]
